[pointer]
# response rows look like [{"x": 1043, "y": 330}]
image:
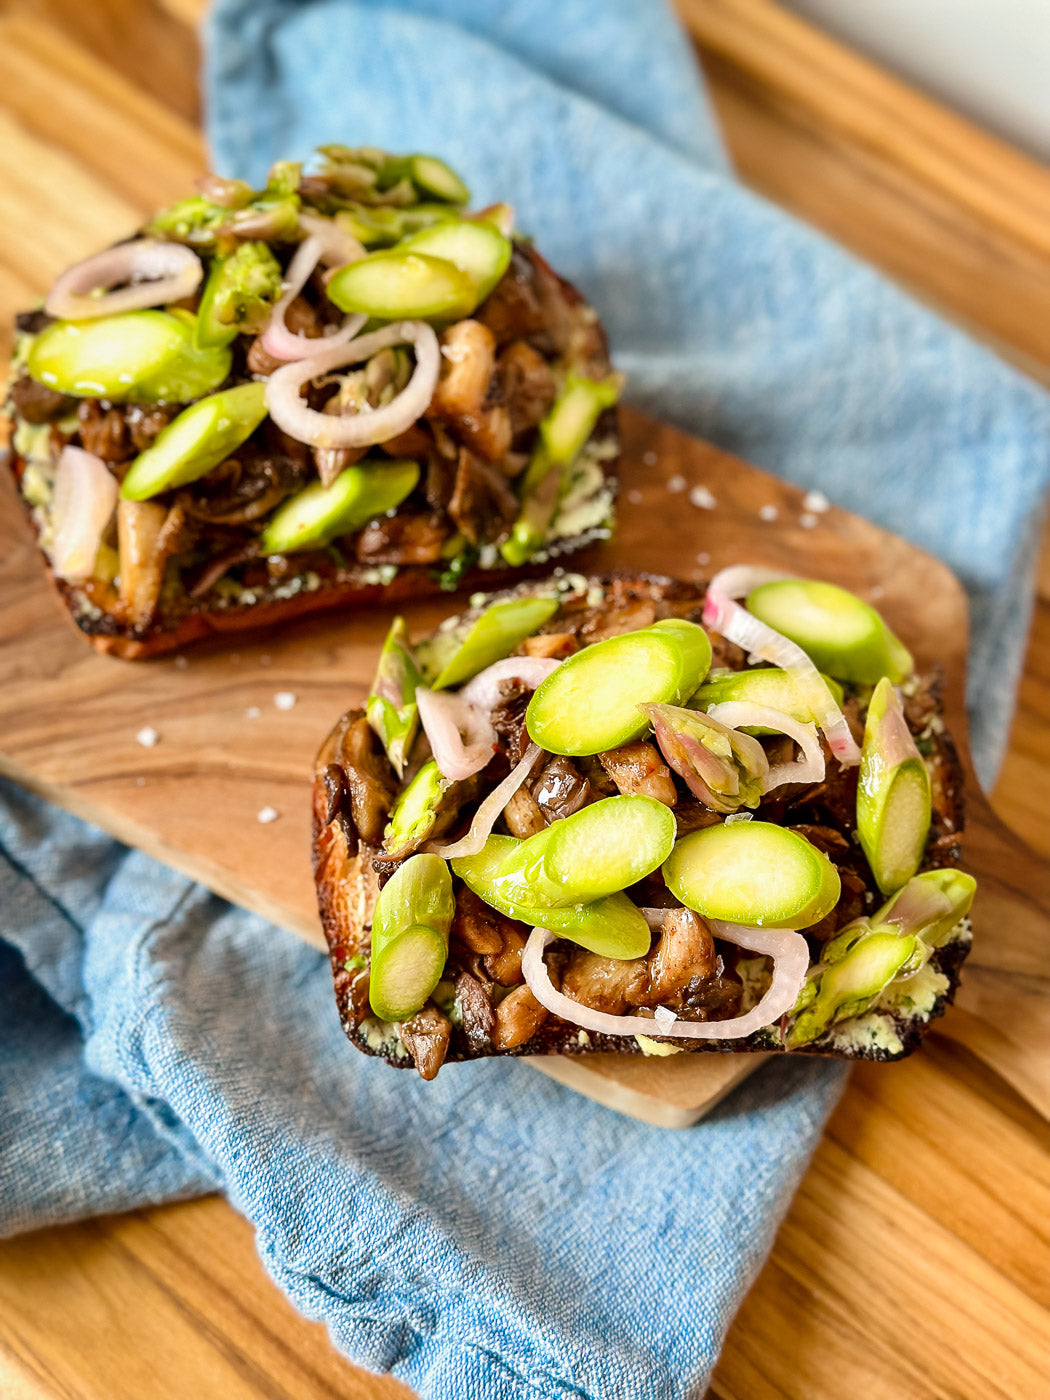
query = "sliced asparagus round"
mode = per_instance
[
  {"x": 415, "y": 812},
  {"x": 201, "y": 437},
  {"x": 766, "y": 685},
  {"x": 599, "y": 850},
  {"x": 321, "y": 513},
  {"x": 848, "y": 987},
  {"x": 841, "y": 633},
  {"x": 612, "y": 927},
  {"x": 429, "y": 174},
  {"x": 410, "y": 925},
  {"x": 591, "y": 702},
  {"x": 478, "y": 249},
  {"x": 753, "y": 873},
  {"x": 137, "y": 356},
  {"x": 398, "y": 285},
  {"x": 239, "y": 294},
  {"x": 453, "y": 657},
  {"x": 391, "y": 707},
  {"x": 564, "y": 432},
  {"x": 893, "y": 793}
]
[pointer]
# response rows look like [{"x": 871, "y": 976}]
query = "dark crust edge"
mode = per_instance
[
  {"x": 561, "y": 1039},
  {"x": 413, "y": 581}
]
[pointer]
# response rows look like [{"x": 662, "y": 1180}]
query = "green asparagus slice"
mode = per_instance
[
  {"x": 564, "y": 433},
  {"x": 766, "y": 685},
  {"x": 380, "y": 226},
  {"x": 320, "y": 513},
  {"x": 753, "y": 873},
  {"x": 478, "y": 249},
  {"x": 592, "y": 701},
  {"x": 391, "y": 707},
  {"x": 430, "y": 175},
  {"x": 400, "y": 284},
  {"x": 416, "y": 810},
  {"x": 599, "y": 850},
  {"x": 143, "y": 356},
  {"x": 612, "y": 927},
  {"x": 201, "y": 437},
  {"x": 893, "y": 793},
  {"x": 238, "y": 295},
  {"x": 848, "y": 987},
  {"x": 193, "y": 221},
  {"x": 452, "y": 657},
  {"x": 838, "y": 631},
  {"x": 930, "y": 906},
  {"x": 410, "y": 925}
]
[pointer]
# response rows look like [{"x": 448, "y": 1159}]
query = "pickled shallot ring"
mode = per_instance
[
  {"x": 277, "y": 339},
  {"x": 337, "y": 246},
  {"x": 742, "y": 714},
  {"x": 489, "y": 810},
  {"x": 448, "y": 716},
  {"x": 788, "y": 949},
  {"x": 85, "y": 497},
  {"x": 461, "y": 736},
  {"x": 722, "y": 613},
  {"x": 305, "y": 424},
  {"x": 157, "y": 273},
  {"x": 484, "y": 689}
]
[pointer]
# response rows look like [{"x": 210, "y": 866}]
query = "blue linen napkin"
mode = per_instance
[{"x": 156, "y": 1043}]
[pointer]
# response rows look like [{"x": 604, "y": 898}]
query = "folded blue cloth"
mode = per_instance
[{"x": 156, "y": 1043}]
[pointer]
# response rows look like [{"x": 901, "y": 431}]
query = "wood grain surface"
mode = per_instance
[{"x": 913, "y": 1262}]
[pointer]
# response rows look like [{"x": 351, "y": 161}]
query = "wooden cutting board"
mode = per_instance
[{"x": 237, "y": 723}]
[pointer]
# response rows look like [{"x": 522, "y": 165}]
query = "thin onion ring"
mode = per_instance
[
  {"x": 788, "y": 949},
  {"x": 84, "y": 499},
  {"x": 337, "y": 246},
  {"x": 277, "y": 339},
  {"x": 305, "y": 424},
  {"x": 157, "y": 273},
  {"x": 446, "y": 719},
  {"x": 722, "y": 613},
  {"x": 489, "y": 810},
  {"x": 484, "y": 690},
  {"x": 742, "y": 714}
]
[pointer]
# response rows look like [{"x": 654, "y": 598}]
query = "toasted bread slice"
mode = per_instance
[
  {"x": 203, "y": 554},
  {"x": 482, "y": 1007}
]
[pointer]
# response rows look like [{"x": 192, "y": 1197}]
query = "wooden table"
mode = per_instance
[{"x": 914, "y": 1262}]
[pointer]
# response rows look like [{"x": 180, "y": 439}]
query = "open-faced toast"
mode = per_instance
[
  {"x": 709, "y": 824},
  {"x": 337, "y": 390}
]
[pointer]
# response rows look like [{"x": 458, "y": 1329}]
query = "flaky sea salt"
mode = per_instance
[
  {"x": 634, "y": 496},
  {"x": 769, "y": 513},
  {"x": 675, "y": 484},
  {"x": 808, "y": 521},
  {"x": 703, "y": 558},
  {"x": 664, "y": 1017},
  {"x": 816, "y": 501},
  {"x": 702, "y": 497},
  {"x": 252, "y": 712},
  {"x": 148, "y": 737},
  {"x": 649, "y": 459},
  {"x": 266, "y": 815},
  {"x": 738, "y": 817},
  {"x": 284, "y": 700},
  {"x": 181, "y": 663}
]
